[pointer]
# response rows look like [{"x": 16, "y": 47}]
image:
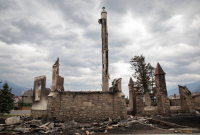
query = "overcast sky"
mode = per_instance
[{"x": 33, "y": 34}]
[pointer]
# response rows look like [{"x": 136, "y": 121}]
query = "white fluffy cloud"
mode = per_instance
[{"x": 34, "y": 33}]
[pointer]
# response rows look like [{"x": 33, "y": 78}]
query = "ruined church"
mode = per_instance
[{"x": 59, "y": 105}]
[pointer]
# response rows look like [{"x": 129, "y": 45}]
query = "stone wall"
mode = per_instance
[
  {"x": 150, "y": 110},
  {"x": 197, "y": 101},
  {"x": 147, "y": 99},
  {"x": 40, "y": 99},
  {"x": 163, "y": 102},
  {"x": 175, "y": 102},
  {"x": 187, "y": 103},
  {"x": 139, "y": 104},
  {"x": 85, "y": 106},
  {"x": 38, "y": 114}
]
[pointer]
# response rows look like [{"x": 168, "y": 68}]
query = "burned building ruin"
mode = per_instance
[
  {"x": 188, "y": 102},
  {"x": 59, "y": 105}
]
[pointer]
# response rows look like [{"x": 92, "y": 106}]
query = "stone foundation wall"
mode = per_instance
[
  {"x": 86, "y": 106},
  {"x": 150, "y": 110},
  {"x": 38, "y": 114}
]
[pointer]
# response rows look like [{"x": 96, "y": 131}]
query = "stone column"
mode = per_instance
[
  {"x": 139, "y": 104},
  {"x": 163, "y": 102},
  {"x": 57, "y": 81},
  {"x": 104, "y": 36},
  {"x": 147, "y": 99},
  {"x": 131, "y": 93},
  {"x": 55, "y": 74}
]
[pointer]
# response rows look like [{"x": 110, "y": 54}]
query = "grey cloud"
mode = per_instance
[
  {"x": 82, "y": 49},
  {"x": 92, "y": 34},
  {"x": 8, "y": 4},
  {"x": 71, "y": 11},
  {"x": 24, "y": 31},
  {"x": 5, "y": 56}
]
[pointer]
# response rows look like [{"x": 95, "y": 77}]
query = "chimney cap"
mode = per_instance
[{"x": 104, "y": 11}]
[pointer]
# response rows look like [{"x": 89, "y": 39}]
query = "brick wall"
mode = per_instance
[{"x": 86, "y": 106}]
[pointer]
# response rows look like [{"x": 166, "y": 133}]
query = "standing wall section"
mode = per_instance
[{"x": 86, "y": 106}]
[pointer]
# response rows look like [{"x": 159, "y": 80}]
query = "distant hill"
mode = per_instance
[
  {"x": 17, "y": 90},
  {"x": 193, "y": 87}
]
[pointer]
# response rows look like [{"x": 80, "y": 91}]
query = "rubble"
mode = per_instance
[
  {"x": 12, "y": 120},
  {"x": 72, "y": 127}
]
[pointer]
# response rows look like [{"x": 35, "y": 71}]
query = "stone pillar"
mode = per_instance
[
  {"x": 139, "y": 104},
  {"x": 187, "y": 104},
  {"x": 57, "y": 81},
  {"x": 147, "y": 99},
  {"x": 163, "y": 102},
  {"x": 104, "y": 36},
  {"x": 131, "y": 93}
]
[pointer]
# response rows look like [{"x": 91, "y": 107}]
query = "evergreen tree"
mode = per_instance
[
  {"x": 143, "y": 73},
  {"x": 6, "y": 99},
  {"x": 127, "y": 100}
]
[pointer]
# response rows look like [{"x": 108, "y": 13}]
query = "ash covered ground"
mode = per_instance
[{"x": 133, "y": 125}]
